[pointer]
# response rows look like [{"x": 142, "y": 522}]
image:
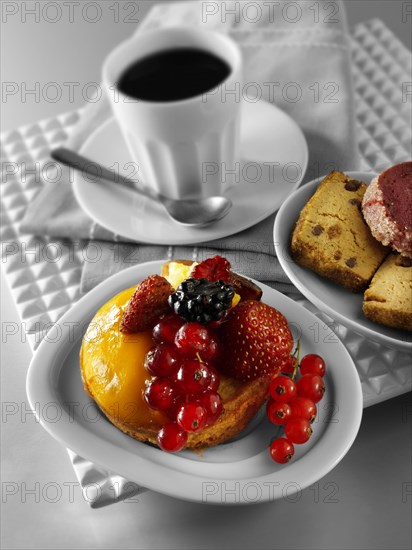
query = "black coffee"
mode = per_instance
[{"x": 173, "y": 75}]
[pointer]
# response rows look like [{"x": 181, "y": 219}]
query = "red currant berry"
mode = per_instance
[
  {"x": 213, "y": 404},
  {"x": 288, "y": 366},
  {"x": 311, "y": 386},
  {"x": 193, "y": 376},
  {"x": 162, "y": 360},
  {"x": 281, "y": 450},
  {"x": 302, "y": 407},
  {"x": 159, "y": 393},
  {"x": 312, "y": 364},
  {"x": 214, "y": 379},
  {"x": 192, "y": 417},
  {"x": 282, "y": 389},
  {"x": 175, "y": 406},
  {"x": 193, "y": 339},
  {"x": 171, "y": 437},
  {"x": 278, "y": 413},
  {"x": 166, "y": 328},
  {"x": 298, "y": 430}
]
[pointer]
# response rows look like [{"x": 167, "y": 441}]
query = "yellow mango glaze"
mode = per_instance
[{"x": 112, "y": 366}]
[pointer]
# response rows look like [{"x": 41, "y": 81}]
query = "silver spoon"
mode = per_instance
[{"x": 194, "y": 212}]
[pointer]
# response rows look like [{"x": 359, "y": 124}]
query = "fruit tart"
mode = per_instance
[{"x": 185, "y": 358}]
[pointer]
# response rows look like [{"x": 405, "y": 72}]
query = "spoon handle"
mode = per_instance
[{"x": 96, "y": 171}]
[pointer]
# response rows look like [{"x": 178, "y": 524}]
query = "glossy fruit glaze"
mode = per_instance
[{"x": 112, "y": 366}]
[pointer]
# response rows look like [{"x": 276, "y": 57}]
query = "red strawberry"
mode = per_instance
[
  {"x": 213, "y": 269},
  {"x": 147, "y": 305},
  {"x": 256, "y": 340}
]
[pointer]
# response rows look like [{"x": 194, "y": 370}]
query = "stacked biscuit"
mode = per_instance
[{"x": 332, "y": 238}]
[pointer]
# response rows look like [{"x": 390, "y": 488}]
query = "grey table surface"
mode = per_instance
[{"x": 364, "y": 503}]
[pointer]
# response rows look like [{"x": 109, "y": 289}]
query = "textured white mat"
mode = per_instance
[{"x": 44, "y": 275}]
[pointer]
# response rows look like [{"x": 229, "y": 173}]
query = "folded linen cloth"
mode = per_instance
[{"x": 299, "y": 60}]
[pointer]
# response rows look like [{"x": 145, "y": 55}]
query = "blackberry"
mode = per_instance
[{"x": 201, "y": 301}]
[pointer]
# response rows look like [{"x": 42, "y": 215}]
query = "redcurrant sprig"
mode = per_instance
[{"x": 292, "y": 402}]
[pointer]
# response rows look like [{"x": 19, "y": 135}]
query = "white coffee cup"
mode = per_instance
[{"x": 177, "y": 144}]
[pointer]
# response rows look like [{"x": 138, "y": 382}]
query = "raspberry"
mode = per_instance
[{"x": 213, "y": 269}]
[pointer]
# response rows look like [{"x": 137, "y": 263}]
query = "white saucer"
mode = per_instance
[
  {"x": 268, "y": 136},
  {"x": 237, "y": 472}
]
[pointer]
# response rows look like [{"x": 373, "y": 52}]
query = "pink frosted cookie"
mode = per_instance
[{"x": 387, "y": 208}]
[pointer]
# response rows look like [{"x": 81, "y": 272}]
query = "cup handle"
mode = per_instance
[{"x": 101, "y": 488}]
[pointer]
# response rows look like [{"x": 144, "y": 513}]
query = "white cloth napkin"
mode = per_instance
[{"x": 300, "y": 60}]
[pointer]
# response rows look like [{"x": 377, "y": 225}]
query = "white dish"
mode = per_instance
[
  {"x": 238, "y": 472},
  {"x": 342, "y": 305},
  {"x": 268, "y": 136}
]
